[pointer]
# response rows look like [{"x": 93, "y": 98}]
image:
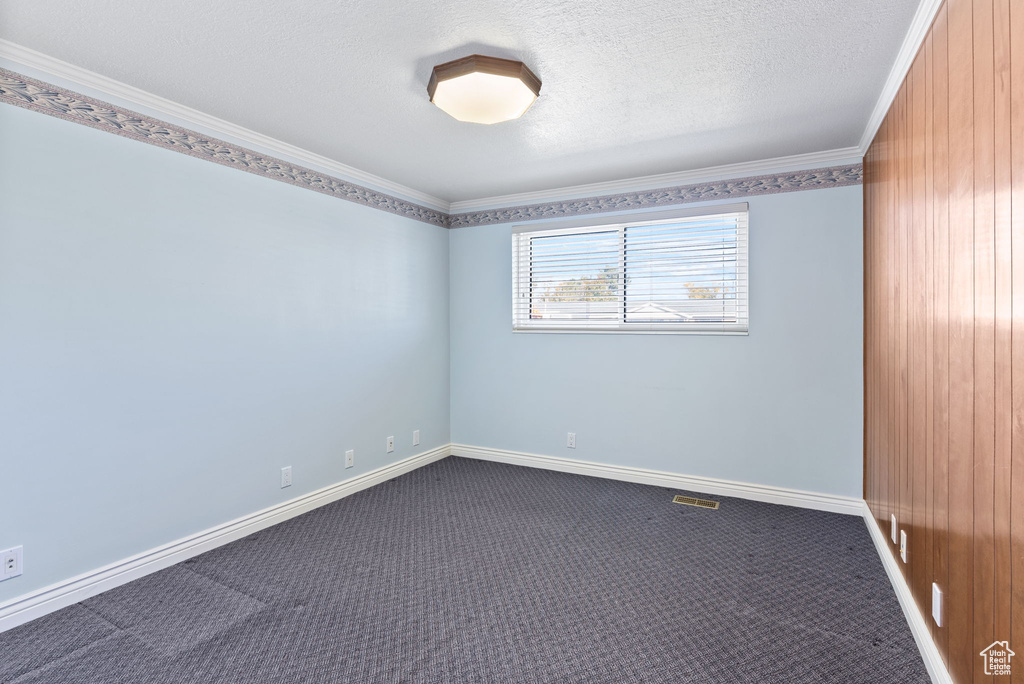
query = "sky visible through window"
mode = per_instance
[{"x": 674, "y": 272}]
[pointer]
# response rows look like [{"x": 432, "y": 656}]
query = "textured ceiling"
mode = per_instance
[{"x": 630, "y": 88}]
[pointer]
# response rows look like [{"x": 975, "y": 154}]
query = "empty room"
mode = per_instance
[{"x": 512, "y": 341}]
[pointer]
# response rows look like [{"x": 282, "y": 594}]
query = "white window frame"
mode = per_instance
[{"x": 522, "y": 286}]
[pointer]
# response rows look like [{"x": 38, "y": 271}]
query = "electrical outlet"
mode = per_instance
[
  {"x": 936, "y": 604},
  {"x": 893, "y": 527},
  {"x": 350, "y": 458},
  {"x": 286, "y": 477},
  {"x": 571, "y": 440},
  {"x": 10, "y": 563},
  {"x": 903, "y": 545},
  {"x": 391, "y": 444},
  {"x": 415, "y": 437}
]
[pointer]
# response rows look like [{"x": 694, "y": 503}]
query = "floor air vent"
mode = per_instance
[{"x": 690, "y": 501}]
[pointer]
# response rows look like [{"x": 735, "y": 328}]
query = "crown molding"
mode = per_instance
[
  {"x": 829, "y": 168},
  {"x": 798, "y": 162},
  {"x": 749, "y": 186},
  {"x": 46, "y": 98},
  {"x": 919, "y": 28},
  {"x": 77, "y": 78}
]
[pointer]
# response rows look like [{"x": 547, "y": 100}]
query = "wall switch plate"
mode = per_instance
[
  {"x": 286, "y": 477},
  {"x": 936, "y": 604},
  {"x": 10, "y": 563},
  {"x": 903, "y": 545},
  {"x": 350, "y": 458},
  {"x": 571, "y": 440},
  {"x": 391, "y": 444},
  {"x": 893, "y": 527},
  {"x": 415, "y": 437}
]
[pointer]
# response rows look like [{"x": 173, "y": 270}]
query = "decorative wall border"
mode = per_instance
[
  {"x": 28, "y": 93},
  {"x": 813, "y": 179},
  {"x": 46, "y": 98}
]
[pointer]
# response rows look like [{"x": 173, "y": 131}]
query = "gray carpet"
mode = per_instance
[{"x": 466, "y": 571}]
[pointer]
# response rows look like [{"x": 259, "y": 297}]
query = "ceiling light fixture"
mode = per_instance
[{"x": 482, "y": 89}]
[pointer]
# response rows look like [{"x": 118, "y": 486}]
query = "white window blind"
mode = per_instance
[{"x": 686, "y": 274}]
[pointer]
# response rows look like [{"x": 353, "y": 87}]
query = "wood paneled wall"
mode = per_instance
[{"x": 944, "y": 328}]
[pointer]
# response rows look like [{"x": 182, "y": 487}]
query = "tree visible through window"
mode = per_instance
[{"x": 687, "y": 275}]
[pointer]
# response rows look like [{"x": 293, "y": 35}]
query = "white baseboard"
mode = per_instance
[
  {"x": 918, "y": 625},
  {"x": 38, "y": 603},
  {"x": 744, "y": 490},
  {"x": 710, "y": 485},
  {"x": 56, "y": 596}
]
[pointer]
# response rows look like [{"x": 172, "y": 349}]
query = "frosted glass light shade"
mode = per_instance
[{"x": 482, "y": 89}]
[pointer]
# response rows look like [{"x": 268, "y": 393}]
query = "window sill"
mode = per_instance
[{"x": 581, "y": 331}]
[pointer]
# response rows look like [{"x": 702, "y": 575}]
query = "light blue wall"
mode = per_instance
[
  {"x": 780, "y": 407},
  {"x": 173, "y": 332}
]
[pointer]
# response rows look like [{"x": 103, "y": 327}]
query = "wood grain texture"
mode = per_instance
[
  {"x": 1016, "y": 38},
  {"x": 1003, "y": 311},
  {"x": 940, "y": 328},
  {"x": 917, "y": 312},
  {"x": 944, "y": 338},
  {"x": 984, "y": 331}
]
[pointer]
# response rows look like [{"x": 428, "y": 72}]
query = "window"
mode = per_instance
[{"x": 685, "y": 274}]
